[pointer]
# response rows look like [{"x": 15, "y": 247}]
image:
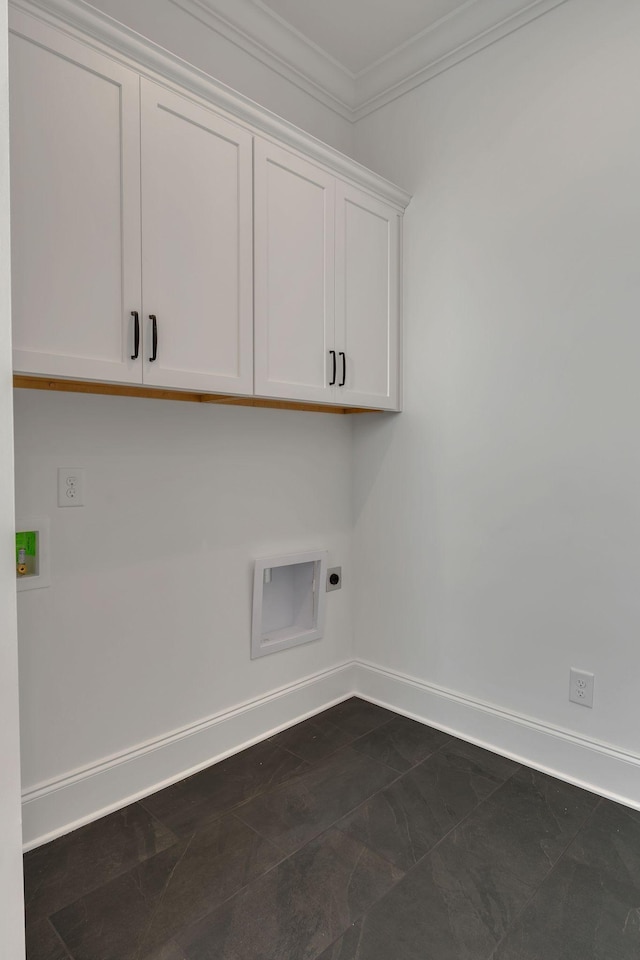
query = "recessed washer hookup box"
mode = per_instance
[{"x": 288, "y": 601}]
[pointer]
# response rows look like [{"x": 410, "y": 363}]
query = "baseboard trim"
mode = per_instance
[
  {"x": 57, "y": 806},
  {"x": 591, "y": 764}
]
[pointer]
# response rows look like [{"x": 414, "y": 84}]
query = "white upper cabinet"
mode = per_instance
[
  {"x": 159, "y": 239},
  {"x": 294, "y": 275},
  {"x": 75, "y": 208},
  {"x": 326, "y": 271},
  {"x": 196, "y": 246},
  {"x": 367, "y": 299},
  {"x": 86, "y": 133}
]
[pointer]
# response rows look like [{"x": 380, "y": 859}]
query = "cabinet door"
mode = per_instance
[
  {"x": 75, "y": 207},
  {"x": 367, "y": 299},
  {"x": 196, "y": 245},
  {"x": 294, "y": 276}
]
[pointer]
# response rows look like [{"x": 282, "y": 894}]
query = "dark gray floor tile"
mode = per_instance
[
  {"x": 404, "y": 821},
  {"x": 61, "y": 871},
  {"x": 43, "y": 943},
  {"x": 452, "y": 906},
  {"x": 610, "y": 842},
  {"x": 345, "y": 947},
  {"x": 301, "y": 809},
  {"x": 137, "y": 914},
  {"x": 298, "y": 909},
  {"x": 357, "y": 717},
  {"x": 525, "y": 826},
  {"x": 401, "y": 743},
  {"x": 191, "y": 803},
  {"x": 313, "y": 739},
  {"x": 476, "y": 759},
  {"x": 579, "y": 913}
]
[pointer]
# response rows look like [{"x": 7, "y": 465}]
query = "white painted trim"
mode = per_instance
[
  {"x": 61, "y": 804},
  {"x": 448, "y": 42},
  {"x": 267, "y": 37},
  {"x": 588, "y": 763},
  {"x": 11, "y": 898},
  {"x": 78, "y": 19}
]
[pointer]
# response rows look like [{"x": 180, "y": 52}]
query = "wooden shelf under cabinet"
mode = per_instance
[{"x": 23, "y": 382}]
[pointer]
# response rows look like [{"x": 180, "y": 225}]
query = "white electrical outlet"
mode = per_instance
[
  {"x": 581, "y": 687},
  {"x": 70, "y": 487}
]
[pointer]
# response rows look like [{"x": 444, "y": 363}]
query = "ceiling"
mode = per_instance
[
  {"x": 356, "y": 55},
  {"x": 358, "y": 33}
]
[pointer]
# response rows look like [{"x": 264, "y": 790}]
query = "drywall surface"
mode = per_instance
[
  {"x": 11, "y": 923},
  {"x": 190, "y": 38},
  {"x": 497, "y": 520},
  {"x": 146, "y": 626}
]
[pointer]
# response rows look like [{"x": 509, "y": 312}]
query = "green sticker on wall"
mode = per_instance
[{"x": 26, "y": 540}]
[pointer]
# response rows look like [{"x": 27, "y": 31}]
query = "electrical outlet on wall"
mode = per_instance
[
  {"x": 70, "y": 487},
  {"x": 581, "y": 687}
]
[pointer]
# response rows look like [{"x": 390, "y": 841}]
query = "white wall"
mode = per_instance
[
  {"x": 11, "y": 923},
  {"x": 146, "y": 626},
  {"x": 497, "y": 520},
  {"x": 181, "y": 33},
  {"x": 145, "y": 629}
]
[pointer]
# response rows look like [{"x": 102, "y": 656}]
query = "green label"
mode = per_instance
[{"x": 26, "y": 540}]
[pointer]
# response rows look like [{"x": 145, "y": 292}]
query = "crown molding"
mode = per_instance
[
  {"x": 261, "y": 33},
  {"x": 449, "y": 41},
  {"x": 82, "y": 21},
  {"x": 269, "y": 39}
]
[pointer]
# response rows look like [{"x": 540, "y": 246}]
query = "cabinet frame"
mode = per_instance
[
  {"x": 89, "y": 35},
  {"x": 122, "y": 369},
  {"x": 269, "y": 155},
  {"x": 156, "y": 99}
]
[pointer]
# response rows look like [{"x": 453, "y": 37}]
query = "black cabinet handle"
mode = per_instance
[
  {"x": 344, "y": 369},
  {"x": 335, "y": 368},
  {"x": 154, "y": 338},
  {"x": 136, "y": 335}
]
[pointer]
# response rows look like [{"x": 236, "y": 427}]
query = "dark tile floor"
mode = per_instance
[{"x": 356, "y": 835}]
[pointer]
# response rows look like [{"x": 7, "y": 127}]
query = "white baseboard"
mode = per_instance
[
  {"x": 591, "y": 764},
  {"x": 58, "y": 806}
]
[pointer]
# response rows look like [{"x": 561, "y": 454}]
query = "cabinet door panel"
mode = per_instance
[
  {"x": 196, "y": 245},
  {"x": 367, "y": 298},
  {"x": 75, "y": 179},
  {"x": 294, "y": 273}
]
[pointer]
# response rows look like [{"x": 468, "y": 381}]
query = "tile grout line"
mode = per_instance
[
  {"x": 399, "y": 775},
  {"x": 308, "y": 767},
  {"x": 160, "y": 824},
  {"x": 305, "y": 769},
  {"x": 454, "y": 827},
  {"x": 233, "y": 811},
  {"x": 443, "y": 838},
  {"x": 67, "y": 950},
  {"x": 304, "y": 760},
  {"x": 413, "y": 867},
  {"x": 404, "y": 873},
  {"x": 342, "y": 746},
  {"x": 288, "y": 856},
  {"x": 537, "y": 888}
]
